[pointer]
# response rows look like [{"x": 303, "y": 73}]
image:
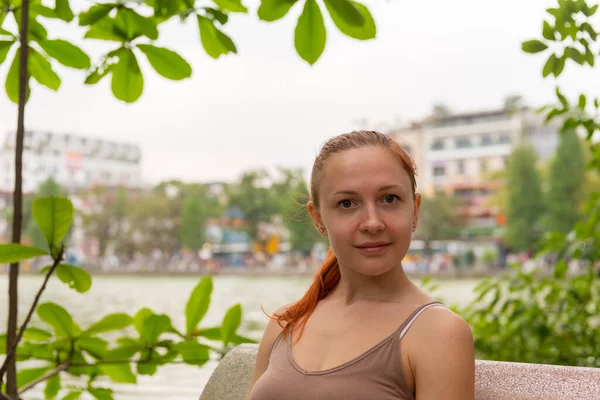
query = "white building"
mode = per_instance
[
  {"x": 411, "y": 137},
  {"x": 75, "y": 162},
  {"x": 463, "y": 150}
]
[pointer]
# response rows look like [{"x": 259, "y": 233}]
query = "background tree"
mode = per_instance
[
  {"x": 566, "y": 182},
  {"x": 513, "y": 103},
  {"x": 436, "y": 220},
  {"x": 525, "y": 204},
  {"x": 440, "y": 110},
  {"x": 253, "y": 196},
  {"x": 293, "y": 194}
]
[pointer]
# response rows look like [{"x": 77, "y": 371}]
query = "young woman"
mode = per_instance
[{"x": 363, "y": 330}]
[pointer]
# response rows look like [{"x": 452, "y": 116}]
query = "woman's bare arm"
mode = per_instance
[
  {"x": 264, "y": 350},
  {"x": 444, "y": 360}
]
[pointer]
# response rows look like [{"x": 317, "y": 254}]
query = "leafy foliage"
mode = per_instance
[
  {"x": 65, "y": 348},
  {"x": 525, "y": 204},
  {"x": 553, "y": 318},
  {"x": 134, "y": 27}
]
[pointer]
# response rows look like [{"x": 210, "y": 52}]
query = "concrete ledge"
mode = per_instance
[{"x": 493, "y": 381}]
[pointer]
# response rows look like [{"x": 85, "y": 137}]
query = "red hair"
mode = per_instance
[{"x": 328, "y": 276}]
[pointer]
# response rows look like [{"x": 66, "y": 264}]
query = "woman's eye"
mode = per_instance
[
  {"x": 390, "y": 198},
  {"x": 345, "y": 203}
]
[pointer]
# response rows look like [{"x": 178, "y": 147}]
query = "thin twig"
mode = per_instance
[
  {"x": 11, "y": 353},
  {"x": 55, "y": 371}
]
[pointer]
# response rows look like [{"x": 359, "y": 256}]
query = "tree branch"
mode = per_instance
[
  {"x": 13, "y": 349},
  {"x": 55, "y": 371}
]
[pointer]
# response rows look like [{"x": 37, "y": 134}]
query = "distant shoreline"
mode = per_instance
[{"x": 276, "y": 273}]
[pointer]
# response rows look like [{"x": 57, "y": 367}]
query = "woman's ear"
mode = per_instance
[
  {"x": 316, "y": 218},
  {"x": 415, "y": 221}
]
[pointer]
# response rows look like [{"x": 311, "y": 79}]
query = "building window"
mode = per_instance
[
  {"x": 486, "y": 140},
  {"x": 437, "y": 145},
  {"x": 463, "y": 142},
  {"x": 504, "y": 138},
  {"x": 439, "y": 171},
  {"x": 460, "y": 167}
]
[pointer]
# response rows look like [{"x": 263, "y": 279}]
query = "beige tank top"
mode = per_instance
[{"x": 375, "y": 374}]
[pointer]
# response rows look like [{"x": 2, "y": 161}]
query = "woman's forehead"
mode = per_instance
[{"x": 367, "y": 170}]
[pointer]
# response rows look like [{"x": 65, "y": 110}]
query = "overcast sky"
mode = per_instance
[{"x": 265, "y": 106}]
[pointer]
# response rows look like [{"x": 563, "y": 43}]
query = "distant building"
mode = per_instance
[
  {"x": 411, "y": 138},
  {"x": 75, "y": 162},
  {"x": 462, "y": 151}
]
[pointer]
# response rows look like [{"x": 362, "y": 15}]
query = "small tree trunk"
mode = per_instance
[{"x": 13, "y": 294}]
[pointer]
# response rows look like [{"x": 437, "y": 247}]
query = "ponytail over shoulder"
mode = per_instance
[{"x": 326, "y": 279}]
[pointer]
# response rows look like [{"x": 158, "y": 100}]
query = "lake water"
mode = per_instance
[{"x": 168, "y": 295}]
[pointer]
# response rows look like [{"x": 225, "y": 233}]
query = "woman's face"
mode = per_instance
[{"x": 367, "y": 207}]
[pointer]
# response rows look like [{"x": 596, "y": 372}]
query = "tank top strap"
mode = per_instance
[{"x": 413, "y": 317}]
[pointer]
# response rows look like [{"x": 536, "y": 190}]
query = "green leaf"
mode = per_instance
[
  {"x": 93, "y": 345},
  {"x": 58, "y": 318},
  {"x": 96, "y": 75},
  {"x": 209, "y": 333},
  {"x": 215, "y": 42},
  {"x": 138, "y": 24},
  {"x": 272, "y": 10},
  {"x": 95, "y": 14},
  {"x": 559, "y": 65},
  {"x": 66, "y": 53},
  {"x": 574, "y": 55},
  {"x": 36, "y": 334},
  {"x": 52, "y": 387},
  {"x": 77, "y": 278},
  {"x": 560, "y": 269},
  {"x": 127, "y": 79},
  {"x": 109, "y": 323},
  {"x": 533, "y": 46},
  {"x": 12, "y": 253},
  {"x": 231, "y": 5},
  {"x": 165, "y": 8},
  {"x": 582, "y": 101},
  {"x": 37, "y": 30},
  {"x": 150, "y": 366},
  {"x": 231, "y": 323},
  {"x": 63, "y": 10},
  {"x": 12, "y": 80},
  {"x": 237, "y": 339},
  {"x": 346, "y": 11},
  {"x": 193, "y": 353},
  {"x": 5, "y": 46},
  {"x": 154, "y": 326},
  {"x": 590, "y": 30},
  {"x": 198, "y": 303},
  {"x": 589, "y": 57},
  {"x": 591, "y": 11},
  {"x": 53, "y": 216},
  {"x": 166, "y": 62},
  {"x": 139, "y": 318},
  {"x": 73, "y": 395},
  {"x": 217, "y": 15},
  {"x": 107, "y": 29},
  {"x": 310, "y": 33},
  {"x": 39, "y": 9},
  {"x": 25, "y": 376},
  {"x": 101, "y": 393},
  {"x": 41, "y": 70},
  {"x": 119, "y": 373},
  {"x": 367, "y": 30},
  {"x": 548, "y": 31},
  {"x": 3, "y": 343}
]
